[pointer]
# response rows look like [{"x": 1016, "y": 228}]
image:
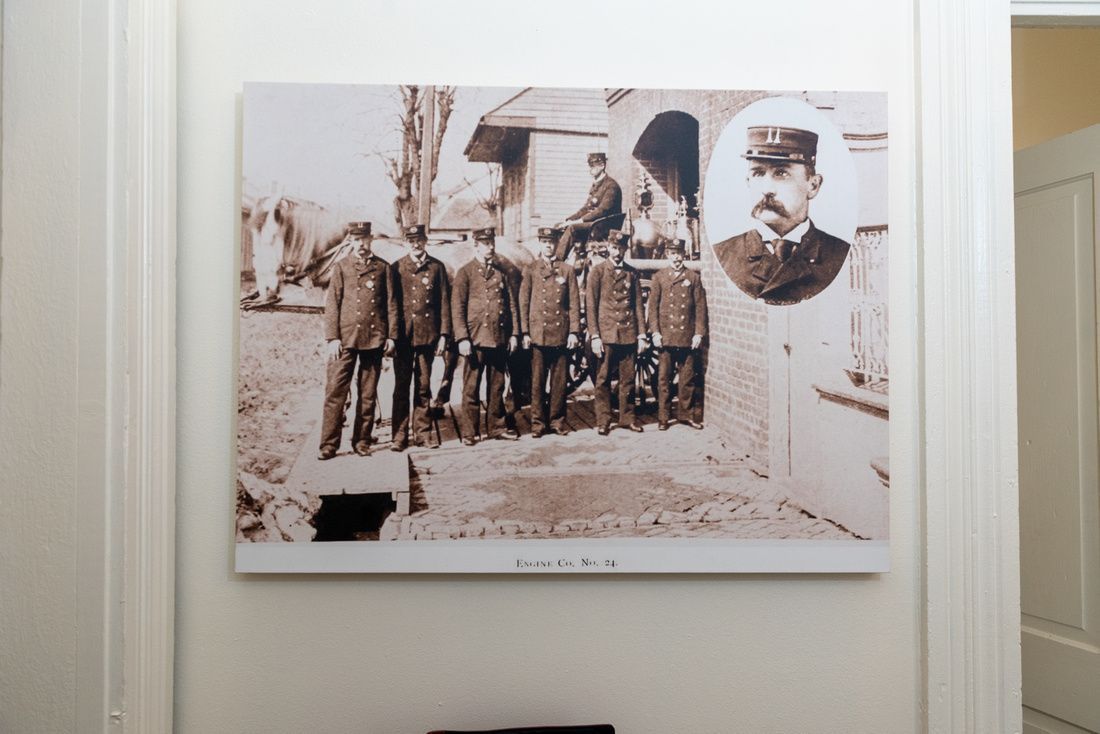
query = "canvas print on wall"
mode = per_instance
[{"x": 562, "y": 330}]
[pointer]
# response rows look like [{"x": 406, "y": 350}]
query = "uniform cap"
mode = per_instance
[
  {"x": 781, "y": 144},
  {"x": 674, "y": 245},
  {"x": 597, "y": 158},
  {"x": 549, "y": 233},
  {"x": 416, "y": 232},
  {"x": 615, "y": 237},
  {"x": 488, "y": 233},
  {"x": 361, "y": 228}
]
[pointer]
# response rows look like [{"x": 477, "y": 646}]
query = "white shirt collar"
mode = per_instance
[{"x": 795, "y": 235}]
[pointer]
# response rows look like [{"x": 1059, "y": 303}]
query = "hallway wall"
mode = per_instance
[
  {"x": 408, "y": 654},
  {"x": 1054, "y": 73}
]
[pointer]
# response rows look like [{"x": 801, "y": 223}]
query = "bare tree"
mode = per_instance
[
  {"x": 403, "y": 167},
  {"x": 490, "y": 203}
]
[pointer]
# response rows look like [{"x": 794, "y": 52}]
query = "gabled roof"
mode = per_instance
[{"x": 501, "y": 132}]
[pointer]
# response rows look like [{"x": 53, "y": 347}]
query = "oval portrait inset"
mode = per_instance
[{"x": 781, "y": 201}]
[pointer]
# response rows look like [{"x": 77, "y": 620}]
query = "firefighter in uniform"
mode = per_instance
[
  {"x": 677, "y": 325},
  {"x": 361, "y": 321},
  {"x": 785, "y": 258},
  {"x": 486, "y": 326},
  {"x": 550, "y": 317},
  {"x": 617, "y": 326},
  {"x": 424, "y": 297},
  {"x": 593, "y": 220}
]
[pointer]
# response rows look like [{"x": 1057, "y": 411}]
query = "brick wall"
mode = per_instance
[{"x": 736, "y": 380}]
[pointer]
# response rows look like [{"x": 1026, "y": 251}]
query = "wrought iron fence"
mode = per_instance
[{"x": 869, "y": 281}]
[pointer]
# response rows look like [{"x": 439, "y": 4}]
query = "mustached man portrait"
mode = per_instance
[{"x": 784, "y": 257}]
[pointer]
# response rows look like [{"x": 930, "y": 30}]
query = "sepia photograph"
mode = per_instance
[{"x": 488, "y": 329}]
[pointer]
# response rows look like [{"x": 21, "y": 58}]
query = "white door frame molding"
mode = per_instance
[
  {"x": 970, "y": 487},
  {"x": 148, "y": 314},
  {"x": 1055, "y": 12}
]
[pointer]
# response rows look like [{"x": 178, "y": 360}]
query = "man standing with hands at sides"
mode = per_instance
[
  {"x": 617, "y": 326},
  {"x": 424, "y": 296},
  {"x": 361, "y": 321},
  {"x": 486, "y": 325},
  {"x": 678, "y": 325},
  {"x": 550, "y": 315}
]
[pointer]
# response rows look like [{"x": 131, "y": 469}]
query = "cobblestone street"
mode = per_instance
[{"x": 676, "y": 483}]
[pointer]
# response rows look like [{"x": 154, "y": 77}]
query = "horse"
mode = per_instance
[{"x": 293, "y": 239}]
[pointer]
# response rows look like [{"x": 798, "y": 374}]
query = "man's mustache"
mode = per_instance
[{"x": 769, "y": 203}]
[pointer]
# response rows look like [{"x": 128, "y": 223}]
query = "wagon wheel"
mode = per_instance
[
  {"x": 582, "y": 365},
  {"x": 519, "y": 378},
  {"x": 646, "y": 363},
  {"x": 645, "y": 367}
]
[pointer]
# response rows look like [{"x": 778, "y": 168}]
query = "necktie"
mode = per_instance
[{"x": 784, "y": 249}]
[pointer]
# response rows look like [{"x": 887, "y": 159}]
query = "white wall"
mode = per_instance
[
  {"x": 407, "y": 654},
  {"x": 38, "y": 374}
]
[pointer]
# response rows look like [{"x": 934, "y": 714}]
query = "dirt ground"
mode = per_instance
[
  {"x": 281, "y": 366},
  {"x": 281, "y": 363}
]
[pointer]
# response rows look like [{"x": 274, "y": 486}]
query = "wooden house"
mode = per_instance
[{"x": 541, "y": 138}]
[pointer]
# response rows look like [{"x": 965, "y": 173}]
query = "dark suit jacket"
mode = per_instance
[
  {"x": 483, "y": 305},
  {"x": 549, "y": 303},
  {"x": 760, "y": 274},
  {"x": 605, "y": 199},
  {"x": 614, "y": 304},
  {"x": 361, "y": 306},
  {"x": 424, "y": 295},
  {"x": 677, "y": 306}
]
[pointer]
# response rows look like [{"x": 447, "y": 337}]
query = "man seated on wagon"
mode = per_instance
[{"x": 602, "y": 210}]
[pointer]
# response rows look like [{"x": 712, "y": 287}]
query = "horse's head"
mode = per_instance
[{"x": 266, "y": 225}]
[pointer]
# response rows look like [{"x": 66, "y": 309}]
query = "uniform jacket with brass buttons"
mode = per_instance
[
  {"x": 614, "y": 303},
  {"x": 758, "y": 272},
  {"x": 484, "y": 308},
  {"x": 549, "y": 303},
  {"x": 361, "y": 307},
  {"x": 424, "y": 294},
  {"x": 605, "y": 199},
  {"x": 677, "y": 306}
]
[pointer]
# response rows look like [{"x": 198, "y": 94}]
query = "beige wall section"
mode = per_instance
[
  {"x": 652, "y": 654},
  {"x": 1054, "y": 82},
  {"x": 38, "y": 369}
]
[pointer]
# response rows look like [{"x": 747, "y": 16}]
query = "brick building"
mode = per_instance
[{"x": 800, "y": 391}]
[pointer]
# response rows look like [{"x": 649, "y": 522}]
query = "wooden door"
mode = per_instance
[{"x": 1056, "y": 284}]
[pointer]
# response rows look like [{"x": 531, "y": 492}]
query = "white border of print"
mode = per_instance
[
  {"x": 627, "y": 555},
  {"x": 837, "y": 207}
]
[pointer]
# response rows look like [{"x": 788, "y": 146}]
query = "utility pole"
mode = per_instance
[{"x": 427, "y": 140}]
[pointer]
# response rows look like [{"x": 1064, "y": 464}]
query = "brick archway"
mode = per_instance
[{"x": 668, "y": 152}]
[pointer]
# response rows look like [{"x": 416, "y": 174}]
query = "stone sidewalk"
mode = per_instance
[{"x": 676, "y": 483}]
